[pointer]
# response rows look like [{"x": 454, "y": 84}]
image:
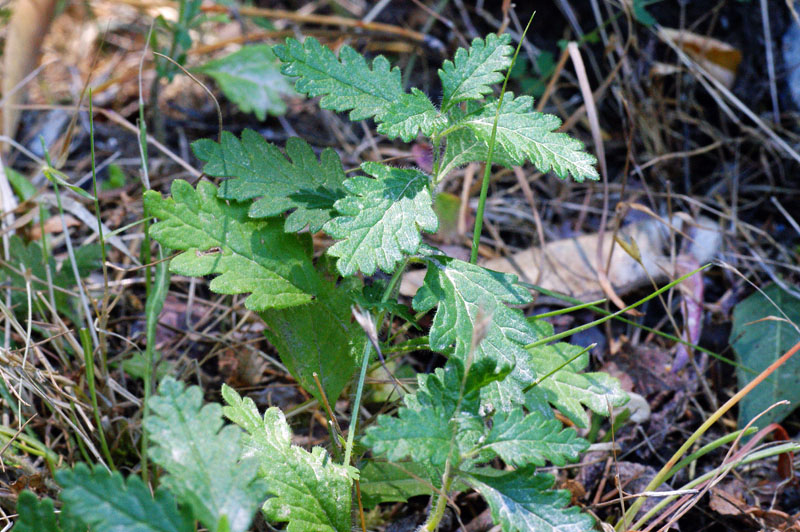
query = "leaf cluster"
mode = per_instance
[
  {"x": 443, "y": 426},
  {"x": 216, "y": 474},
  {"x": 464, "y": 120},
  {"x": 376, "y": 219}
]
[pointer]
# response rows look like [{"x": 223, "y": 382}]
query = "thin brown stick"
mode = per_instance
[{"x": 294, "y": 16}]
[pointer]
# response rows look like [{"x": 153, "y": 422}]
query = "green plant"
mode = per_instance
[
  {"x": 251, "y": 78},
  {"x": 178, "y": 35},
  {"x": 494, "y": 398}
]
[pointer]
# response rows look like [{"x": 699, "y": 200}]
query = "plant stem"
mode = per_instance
[
  {"x": 704, "y": 450},
  {"x": 51, "y": 174},
  {"x": 436, "y": 144},
  {"x": 103, "y": 314},
  {"x": 155, "y": 302},
  {"x": 435, "y": 517},
  {"x": 144, "y": 256}
]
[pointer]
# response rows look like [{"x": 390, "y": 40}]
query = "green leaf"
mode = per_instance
[
  {"x": 259, "y": 170},
  {"x": 107, "y": 503},
  {"x": 381, "y": 219},
  {"x": 442, "y": 414},
  {"x": 218, "y": 238},
  {"x": 409, "y": 115},
  {"x": 346, "y": 83},
  {"x": 308, "y": 490},
  {"x": 463, "y": 293},
  {"x": 567, "y": 389},
  {"x": 386, "y": 482},
  {"x": 22, "y": 185},
  {"x": 522, "y": 500},
  {"x": 35, "y": 515},
  {"x": 137, "y": 365},
  {"x": 308, "y": 317},
  {"x": 464, "y": 146},
  {"x": 760, "y": 335},
  {"x": 527, "y": 135},
  {"x": 472, "y": 72},
  {"x": 521, "y": 440},
  {"x": 251, "y": 79},
  {"x": 204, "y": 461},
  {"x": 320, "y": 337}
]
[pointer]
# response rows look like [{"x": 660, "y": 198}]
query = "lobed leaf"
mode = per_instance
[
  {"x": 107, "y": 503},
  {"x": 251, "y": 79},
  {"x": 471, "y": 73},
  {"x": 251, "y": 256},
  {"x": 527, "y": 135},
  {"x": 206, "y": 467},
  {"x": 441, "y": 418},
  {"x": 409, "y": 115},
  {"x": 34, "y": 515},
  {"x": 380, "y": 219},
  {"x": 532, "y": 439},
  {"x": 569, "y": 390},
  {"x": 346, "y": 83},
  {"x": 521, "y": 500},
  {"x": 463, "y": 294},
  {"x": 308, "y": 490},
  {"x": 258, "y": 170}
]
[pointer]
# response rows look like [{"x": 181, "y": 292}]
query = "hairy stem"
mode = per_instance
[{"x": 435, "y": 517}]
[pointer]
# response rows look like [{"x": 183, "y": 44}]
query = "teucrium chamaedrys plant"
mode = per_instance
[
  {"x": 493, "y": 399},
  {"x": 490, "y": 399}
]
